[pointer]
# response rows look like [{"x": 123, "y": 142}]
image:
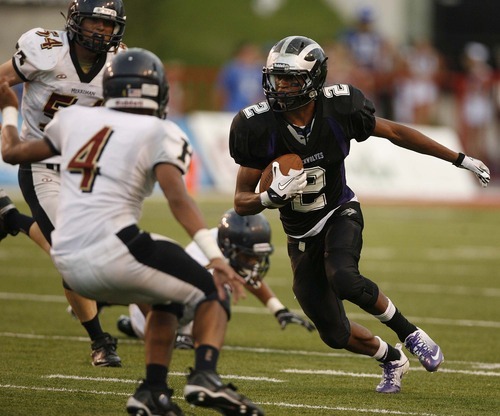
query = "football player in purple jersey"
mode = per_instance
[{"x": 322, "y": 216}]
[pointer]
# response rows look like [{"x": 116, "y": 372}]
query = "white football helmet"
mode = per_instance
[{"x": 299, "y": 57}]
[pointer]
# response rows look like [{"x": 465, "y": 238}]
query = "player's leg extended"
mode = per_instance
[{"x": 40, "y": 187}]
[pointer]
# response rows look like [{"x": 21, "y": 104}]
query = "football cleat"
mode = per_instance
[
  {"x": 184, "y": 342},
  {"x": 147, "y": 401},
  {"x": 124, "y": 325},
  {"x": 393, "y": 372},
  {"x": 205, "y": 389},
  {"x": 104, "y": 352},
  {"x": 6, "y": 205},
  {"x": 425, "y": 349},
  {"x": 3, "y": 233}
]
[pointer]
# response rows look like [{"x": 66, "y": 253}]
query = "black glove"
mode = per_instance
[{"x": 285, "y": 317}]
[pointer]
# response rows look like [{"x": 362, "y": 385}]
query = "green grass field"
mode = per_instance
[{"x": 439, "y": 265}]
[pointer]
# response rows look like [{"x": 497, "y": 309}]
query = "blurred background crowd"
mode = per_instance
[{"x": 430, "y": 62}]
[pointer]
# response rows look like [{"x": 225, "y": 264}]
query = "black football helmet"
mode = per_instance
[
  {"x": 111, "y": 10},
  {"x": 135, "y": 79},
  {"x": 299, "y": 57},
  {"x": 246, "y": 242}
]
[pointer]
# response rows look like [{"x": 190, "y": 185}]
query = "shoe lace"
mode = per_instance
[
  {"x": 418, "y": 345},
  {"x": 107, "y": 343},
  {"x": 389, "y": 373}
]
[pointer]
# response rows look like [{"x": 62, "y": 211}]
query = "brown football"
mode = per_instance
[{"x": 286, "y": 162}]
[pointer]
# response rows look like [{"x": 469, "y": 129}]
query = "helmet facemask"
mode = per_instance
[
  {"x": 95, "y": 41},
  {"x": 281, "y": 101},
  {"x": 246, "y": 242},
  {"x": 251, "y": 264}
]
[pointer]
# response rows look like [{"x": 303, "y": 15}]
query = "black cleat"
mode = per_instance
[
  {"x": 205, "y": 389},
  {"x": 124, "y": 325},
  {"x": 6, "y": 205},
  {"x": 104, "y": 352},
  {"x": 184, "y": 342},
  {"x": 147, "y": 401}
]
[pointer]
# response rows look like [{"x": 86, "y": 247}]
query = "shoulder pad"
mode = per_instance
[
  {"x": 345, "y": 98},
  {"x": 174, "y": 131},
  {"x": 41, "y": 48}
]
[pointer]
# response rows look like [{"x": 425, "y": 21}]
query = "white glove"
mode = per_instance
[
  {"x": 475, "y": 166},
  {"x": 283, "y": 187}
]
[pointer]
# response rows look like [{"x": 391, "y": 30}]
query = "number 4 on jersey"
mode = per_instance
[{"x": 85, "y": 160}]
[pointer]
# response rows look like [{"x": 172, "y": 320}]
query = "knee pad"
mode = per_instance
[
  {"x": 226, "y": 303},
  {"x": 356, "y": 288},
  {"x": 368, "y": 295}
]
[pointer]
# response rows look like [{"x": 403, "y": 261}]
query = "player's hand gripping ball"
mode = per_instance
[
  {"x": 282, "y": 180},
  {"x": 286, "y": 162}
]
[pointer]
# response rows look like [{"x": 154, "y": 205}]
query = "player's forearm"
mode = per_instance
[
  {"x": 10, "y": 145},
  {"x": 263, "y": 293},
  {"x": 411, "y": 139},
  {"x": 247, "y": 203},
  {"x": 15, "y": 151},
  {"x": 187, "y": 213}
]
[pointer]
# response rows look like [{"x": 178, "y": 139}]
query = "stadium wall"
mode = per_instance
[{"x": 376, "y": 168}]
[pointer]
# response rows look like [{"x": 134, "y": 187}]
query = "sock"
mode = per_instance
[
  {"x": 392, "y": 354},
  {"x": 395, "y": 320},
  {"x": 156, "y": 375},
  {"x": 206, "y": 358},
  {"x": 382, "y": 350},
  {"x": 93, "y": 328},
  {"x": 15, "y": 222}
]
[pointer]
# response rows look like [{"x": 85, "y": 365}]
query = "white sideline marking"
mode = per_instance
[
  {"x": 475, "y": 364},
  {"x": 61, "y": 389},
  {"x": 347, "y": 409},
  {"x": 438, "y": 289},
  {"x": 33, "y": 297},
  {"x": 173, "y": 373},
  {"x": 263, "y": 311},
  {"x": 278, "y": 404},
  {"x": 367, "y": 317},
  {"x": 366, "y": 375}
]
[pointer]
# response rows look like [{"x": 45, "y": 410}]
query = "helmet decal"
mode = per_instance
[{"x": 135, "y": 79}]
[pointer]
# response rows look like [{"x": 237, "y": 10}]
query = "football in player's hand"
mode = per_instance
[{"x": 286, "y": 162}]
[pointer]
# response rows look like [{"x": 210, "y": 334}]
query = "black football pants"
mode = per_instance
[{"x": 326, "y": 271}]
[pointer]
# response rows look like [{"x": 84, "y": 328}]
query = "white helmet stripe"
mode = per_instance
[
  {"x": 308, "y": 49},
  {"x": 285, "y": 44}
]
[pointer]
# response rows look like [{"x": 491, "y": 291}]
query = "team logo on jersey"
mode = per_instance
[
  {"x": 349, "y": 212},
  {"x": 79, "y": 91},
  {"x": 313, "y": 158}
]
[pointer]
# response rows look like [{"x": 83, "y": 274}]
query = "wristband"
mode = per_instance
[
  {"x": 204, "y": 239},
  {"x": 265, "y": 200},
  {"x": 9, "y": 116},
  {"x": 271, "y": 199},
  {"x": 459, "y": 160},
  {"x": 274, "y": 305}
]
